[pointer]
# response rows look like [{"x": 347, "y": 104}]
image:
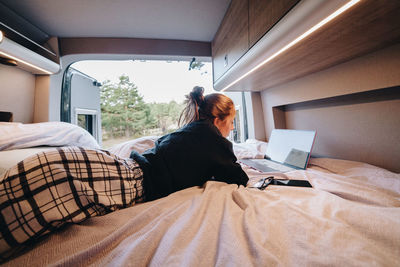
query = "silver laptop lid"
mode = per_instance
[{"x": 290, "y": 147}]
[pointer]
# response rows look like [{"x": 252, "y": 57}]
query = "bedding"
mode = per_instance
[
  {"x": 350, "y": 217},
  {"x": 250, "y": 149},
  {"x": 63, "y": 185},
  {"x": 9, "y": 158},
  {"x": 15, "y": 135},
  {"x": 141, "y": 144}
]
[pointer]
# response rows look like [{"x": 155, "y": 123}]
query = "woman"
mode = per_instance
[
  {"x": 197, "y": 152},
  {"x": 70, "y": 184}
]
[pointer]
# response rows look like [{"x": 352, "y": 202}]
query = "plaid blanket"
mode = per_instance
[{"x": 65, "y": 185}]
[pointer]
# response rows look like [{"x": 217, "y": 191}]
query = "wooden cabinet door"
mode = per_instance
[
  {"x": 231, "y": 41},
  {"x": 263, "y": 14}
]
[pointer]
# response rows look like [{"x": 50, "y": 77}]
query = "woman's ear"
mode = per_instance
[
  {"x": 216, "y": 122},
  {"x": 219, "y": 124}
]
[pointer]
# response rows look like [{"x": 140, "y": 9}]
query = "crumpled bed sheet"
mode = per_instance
[
  {"x": 351, "y": 218},
  {"x": 16, "y": 135}
]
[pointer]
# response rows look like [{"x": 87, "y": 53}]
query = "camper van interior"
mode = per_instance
[{"x": 329, "y": 66}]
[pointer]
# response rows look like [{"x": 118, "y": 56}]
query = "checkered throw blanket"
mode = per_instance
[{"x": 65, "y": 185}]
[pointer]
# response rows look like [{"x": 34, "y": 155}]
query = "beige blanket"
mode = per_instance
[{"x": 350, "y": 218}]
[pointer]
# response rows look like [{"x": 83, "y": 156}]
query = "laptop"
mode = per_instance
[{"x": 287, "y": 150}]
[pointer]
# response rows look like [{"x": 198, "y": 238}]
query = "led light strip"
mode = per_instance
[
  {"x": 26, "y": 63},
  {"x": 14, "y": 51},
  {"x": 298, "y": 39}
]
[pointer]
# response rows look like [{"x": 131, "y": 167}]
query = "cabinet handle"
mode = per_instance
[{"x": 226, "y": 60}]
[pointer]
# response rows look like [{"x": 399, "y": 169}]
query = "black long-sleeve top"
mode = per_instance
[{"x": 188, "y": 157}]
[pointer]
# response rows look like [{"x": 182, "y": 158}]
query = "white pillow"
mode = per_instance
[
  {"x": 251, "y": 149},
  {"x": 140, "y": 145},
  {"x": 14, "y": 135}
]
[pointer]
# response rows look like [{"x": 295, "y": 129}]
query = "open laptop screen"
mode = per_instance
[{"x": 290, "y": 147}]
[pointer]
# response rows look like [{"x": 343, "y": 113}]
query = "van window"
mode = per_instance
[{"x": 135, "y": 97}]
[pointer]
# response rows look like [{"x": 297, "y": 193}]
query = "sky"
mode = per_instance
[{"x": 157, "y": 81}]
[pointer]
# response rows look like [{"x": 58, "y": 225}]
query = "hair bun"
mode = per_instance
[{"x": 197, "y": 94}]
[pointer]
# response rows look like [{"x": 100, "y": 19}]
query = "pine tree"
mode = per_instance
[{"x": 124, "y": 113}]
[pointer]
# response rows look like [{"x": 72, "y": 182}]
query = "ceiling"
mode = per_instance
[{"x": 195, "y": 20}]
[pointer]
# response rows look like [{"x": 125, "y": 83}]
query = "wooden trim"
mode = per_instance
[
  {"x": 279, "y": 117},
  {"x": 369, "y": 96},
  {"x": 135, "y": 46}
]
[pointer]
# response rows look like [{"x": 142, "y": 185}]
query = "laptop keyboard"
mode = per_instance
[{"x": 267, "y": 165}]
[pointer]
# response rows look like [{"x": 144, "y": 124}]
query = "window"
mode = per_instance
[
  {"x": 237, "y": 134},
  {"x": 87, "y": 119},
  {"x": 134, "y": 97}
]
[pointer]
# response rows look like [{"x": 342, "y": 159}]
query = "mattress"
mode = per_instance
[
  {"x": 350, "y": 217},
  {"x": 9, "y": 158}
]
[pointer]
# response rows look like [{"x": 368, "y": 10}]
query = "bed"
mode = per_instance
[
  {"x": 19, "y": 140},
  {"x": 350, "y": 217}
]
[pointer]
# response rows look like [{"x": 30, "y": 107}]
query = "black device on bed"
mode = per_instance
[
  {"x": 301, "y": 183},
  {"x": 264, "y": 182}
]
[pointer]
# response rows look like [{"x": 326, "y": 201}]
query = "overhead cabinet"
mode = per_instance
[
  {"x": 263, "y": 14},
  {"x": 247, "y": 49},
  {"x": 232, "y": 39},
  {"x": 245, "y": 22}
]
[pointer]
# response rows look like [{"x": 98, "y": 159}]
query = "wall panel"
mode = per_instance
[
  {"x": 17, "y": 90},
  {"x": 374, "y": 124}
]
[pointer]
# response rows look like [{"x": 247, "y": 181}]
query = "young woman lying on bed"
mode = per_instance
[{"x": 70, "y": 184}]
